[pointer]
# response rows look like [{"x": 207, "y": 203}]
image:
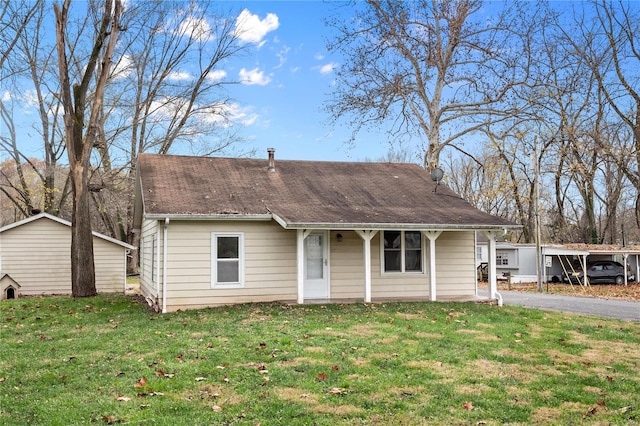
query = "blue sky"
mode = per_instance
[
  {"x": 288, "y": 74},
  {"x": 298, "y": 80}
]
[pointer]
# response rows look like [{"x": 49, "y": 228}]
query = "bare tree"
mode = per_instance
[
  {"x": 14, "y": 19},
  {"x": 78, "y": 100},
  {"x": 154, "y": 105},
  {"x": 609, "y": 43},
  {"x": 437, "y": 69}
]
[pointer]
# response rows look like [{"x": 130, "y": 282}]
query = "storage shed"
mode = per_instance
[{"x": 35, "y": 258}]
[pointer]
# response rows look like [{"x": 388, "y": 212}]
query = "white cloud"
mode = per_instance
[
  {"x": 328, "y": 68},
  {"x": 122, "y": 68},
  {"x": 30, "y": 98},
  {"x": 196, "y": 28},
  {"x": 282, "y": 56},
  {"x": 223, "y": 114},
  {"x": 253, "y": 77},
  {"x": 251, "y": 29},
  {"x": 319, "y": 56},
  {"x": 179, "y": 75},
  {"x": 228, "y": 114},
  {"x": 217, "y": 75},
  {"x": 6, "y": 96}
]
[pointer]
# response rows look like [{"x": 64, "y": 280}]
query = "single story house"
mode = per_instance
[
  {"x": 519, "y": 260},
  {"x": 217, "y": 231},
  {"x": 35, "y": 258}
]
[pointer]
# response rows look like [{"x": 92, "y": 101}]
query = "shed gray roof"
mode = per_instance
[{"x": 304, "y": 193}]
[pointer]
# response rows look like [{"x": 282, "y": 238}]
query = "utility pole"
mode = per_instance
[{"x": 536, "y": 194}]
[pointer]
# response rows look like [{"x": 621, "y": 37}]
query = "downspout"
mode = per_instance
[
  {"x": 126, "y": 254},
  {"x": 164, "y": 266},
  {"x": 499, "y": 297}
]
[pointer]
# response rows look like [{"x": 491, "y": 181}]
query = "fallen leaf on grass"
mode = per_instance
[
  {"x": 590, "y": 412},
  {"x": 111, "y": 420},
  {"x": 161, "y": 373},
  {"x": 142, "y": 394},
  {"x": 123, "y": 398},
  {"x": 142, "y": 382},
  {"x": 199, "y": 379},
  {"x": 337, "y": 391},
  {"x": 321, "y": 376},
  {"x": 216, "y": 408},
  {"x": 467, "y": 406}
]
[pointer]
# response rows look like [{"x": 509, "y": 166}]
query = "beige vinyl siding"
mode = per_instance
[
  {"x": 347, "y": 266},
  {"x": 150, "y": 259},
  {"x": 411, "y": 285},
  {"x": 37, "y": 255},
  {"x": 110, "y": 265},
  {"x": 269, "y": 260},
  {"x": 455, "y": 264},
  {"x": 455, "y": 270},
  {"x": 270, "y": 265}
]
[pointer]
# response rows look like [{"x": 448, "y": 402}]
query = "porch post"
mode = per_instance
[
  {"x": 366, "y": 237},
  {"x": 300, "y": 264},
  {"x": 493, "y": 282},
  {"x": 301, "y": 234},
  {"x": 432, "y": 236},
  {"x": 626, "y": 260}
]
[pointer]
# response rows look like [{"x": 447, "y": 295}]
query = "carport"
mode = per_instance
[
  {"x": 629, "y": 255},
  {"x": 571, "y": 258},
  {"x": 559, "y": 260}
]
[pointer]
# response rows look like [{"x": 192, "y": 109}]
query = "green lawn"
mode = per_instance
[{"x": 108, "y": 360}]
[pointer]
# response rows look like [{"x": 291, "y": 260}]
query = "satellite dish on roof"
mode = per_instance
[{"x": 436, "y": 175}]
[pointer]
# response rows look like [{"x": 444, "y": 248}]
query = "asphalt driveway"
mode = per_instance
[{"x": 610, "y": 308}]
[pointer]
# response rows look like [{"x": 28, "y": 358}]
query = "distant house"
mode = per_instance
[
  {"x": 519, "y": 260},
  {"x": 218, "y": 231},
  {"x": 35, "y": 258}
]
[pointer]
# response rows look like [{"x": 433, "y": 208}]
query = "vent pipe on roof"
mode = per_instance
[{"x": 272, "y": 163}]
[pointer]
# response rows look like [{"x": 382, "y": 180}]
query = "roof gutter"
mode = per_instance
[
  {"x": 365, "y": 226},
  {"x": 230, "y": 216}
]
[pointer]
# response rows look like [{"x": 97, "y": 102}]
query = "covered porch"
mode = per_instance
[{"x": 374, "y": 264}]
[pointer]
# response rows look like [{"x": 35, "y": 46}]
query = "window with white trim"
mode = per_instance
[
  {"x": 402, "y": 251},
  {"x": 502, "y": 258},
  {"x": 227, "y": 259}
]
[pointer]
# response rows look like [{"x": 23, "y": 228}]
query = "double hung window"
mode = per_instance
[
  {"x": 402, "y": 251},
  {"x": 227, "y": 260}
]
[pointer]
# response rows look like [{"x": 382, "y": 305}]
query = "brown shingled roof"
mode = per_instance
[{"x": 304, "y": 192}]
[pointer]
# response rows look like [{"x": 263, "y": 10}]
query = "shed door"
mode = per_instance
[{"x": 316, "y": 266}]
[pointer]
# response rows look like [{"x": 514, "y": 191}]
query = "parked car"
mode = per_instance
[{"x": 603, "y": 271}]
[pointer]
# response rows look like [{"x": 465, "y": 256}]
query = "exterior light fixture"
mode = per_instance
[{"x": 339, "y": 237}]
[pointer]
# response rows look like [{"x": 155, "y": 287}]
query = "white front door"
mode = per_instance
[{"x": 316, "y": 266}]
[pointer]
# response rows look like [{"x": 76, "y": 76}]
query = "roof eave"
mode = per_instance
[
  {"x": 362, "y": 226},
  {"x": 216, "y": 217}
]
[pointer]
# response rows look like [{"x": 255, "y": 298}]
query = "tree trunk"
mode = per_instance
[
  {"x": 80, "y": 136},
  {"x": 83, "y": 278}
]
